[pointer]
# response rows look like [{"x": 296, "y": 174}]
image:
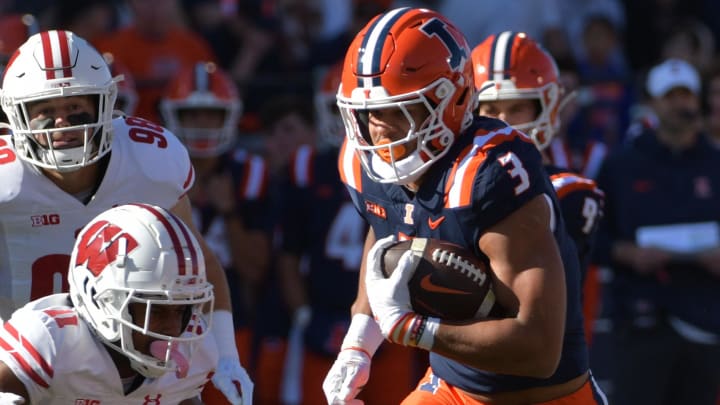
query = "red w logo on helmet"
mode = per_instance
[{"x": 99, "y": 246}]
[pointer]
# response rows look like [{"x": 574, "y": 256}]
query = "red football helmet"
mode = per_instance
[
  {"x": 202, "y": 86},
  {"x": 127, "y": 97},
  {"x": 403, "y": 57},
  {"x": 329, "y": 122},
  {"x": 512, "y": 66}
]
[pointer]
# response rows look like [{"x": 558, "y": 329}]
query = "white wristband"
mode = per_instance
[
  {"x": 223, "y": 331},
  {"x": 363, "y": 333},
  {"x": 427, "y": 339}
]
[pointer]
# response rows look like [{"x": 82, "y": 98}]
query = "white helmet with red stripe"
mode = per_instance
[
  {"x": 54, "y": 64},
  {"x": 139, "y": 253}
]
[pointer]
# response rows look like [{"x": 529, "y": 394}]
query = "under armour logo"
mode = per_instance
[{"x": 149, "y": 401}]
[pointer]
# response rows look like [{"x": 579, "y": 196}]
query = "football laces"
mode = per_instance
[{"x": 455, "y": 261}]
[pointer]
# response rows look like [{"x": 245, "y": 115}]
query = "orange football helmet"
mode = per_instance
[
  {"x": 512, "y": 66},
  {"x": 127, "y": 97},
  {"x": 202, "y": 86},
  {"x": 329, "y": 122},
  {"x": 407, "y": 56}
]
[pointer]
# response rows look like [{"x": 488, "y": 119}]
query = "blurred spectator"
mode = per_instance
[
  {"x": 479, "y": 19},
  {"x": 86, "y": 18},
  {"x": 712, "y": 104},
  {"x": 661, "y": 237},
  {"x": 692, "y": 41},
  {"x": 154, "y": 48},
  {"x": 606, "y": 85},
  {"x": 649, "y": 25},
  {"x": 288, "y": 122},
  {"x": 576, "y": 12}
]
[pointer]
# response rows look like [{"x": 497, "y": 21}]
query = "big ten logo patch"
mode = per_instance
[
  {"x": 85, "y": 401},
  {"x": 45, "y": 219}
]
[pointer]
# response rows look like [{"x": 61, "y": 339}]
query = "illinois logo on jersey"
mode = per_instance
[{"x": 101, "y": 245}]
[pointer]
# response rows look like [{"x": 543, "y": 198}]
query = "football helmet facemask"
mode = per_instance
[
  {"x": 202, "y": 86},
  {"x": 512, "y": 66},
  {"x": 403, "y": 57},
  {"x": 139, "y": 253},
  {"x": 54, "y": 64}
]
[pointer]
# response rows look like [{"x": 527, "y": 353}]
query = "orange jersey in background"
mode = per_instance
[{"x": 153, "y": 62}]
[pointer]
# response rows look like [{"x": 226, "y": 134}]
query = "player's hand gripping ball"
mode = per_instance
[{"x": 449, "y": 282}]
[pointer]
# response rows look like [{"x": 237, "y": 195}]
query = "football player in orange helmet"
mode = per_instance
[
  {"x": 202, "y": 107},
  {"x": 419, "y": 163},
  {"x": 517, "y": 81}
]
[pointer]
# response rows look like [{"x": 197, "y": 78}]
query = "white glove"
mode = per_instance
[
  {"x": 291, "y": 385},
  {"x": 233, "y": 381},
  {"x": 351, "y": 370},
  {"x": 347, "y": 376},
  {"x": 230, "y": 377},
  {"x": 11, "y": 399},
  {"x": 390, "y": 299}
]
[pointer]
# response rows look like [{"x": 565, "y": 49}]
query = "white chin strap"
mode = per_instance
[
  {"x": 62, "y": 157},
  {"x": 402, "y": 172}
]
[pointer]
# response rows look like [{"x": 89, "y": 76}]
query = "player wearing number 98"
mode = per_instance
[
  {"x": 69, "y": 158},
  {"x": 419, "y": 163}
]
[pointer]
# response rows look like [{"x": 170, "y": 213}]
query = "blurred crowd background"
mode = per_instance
[{"x": 276, "y": 47}]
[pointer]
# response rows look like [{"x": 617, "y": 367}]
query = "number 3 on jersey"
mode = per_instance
[{"x": 516, "y": 170}]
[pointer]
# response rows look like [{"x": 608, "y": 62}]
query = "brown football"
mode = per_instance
[{"x": 450, "y": 282}]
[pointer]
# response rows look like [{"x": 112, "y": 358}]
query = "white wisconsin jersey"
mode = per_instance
[
  {"x": 54, "y": 354},
  {"x": 39, "y": 221}
]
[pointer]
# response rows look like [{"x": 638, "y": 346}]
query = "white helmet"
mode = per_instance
[
  {"x": 139, "y": 253},
  {"x": 54, "y": 64}
]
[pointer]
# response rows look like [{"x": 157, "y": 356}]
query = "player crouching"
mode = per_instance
[{"x": 131, "y": 330}]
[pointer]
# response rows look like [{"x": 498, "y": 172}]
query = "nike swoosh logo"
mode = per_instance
[
  {"x": 428, "y": 285},
  {"x": 433, "y": 224}
]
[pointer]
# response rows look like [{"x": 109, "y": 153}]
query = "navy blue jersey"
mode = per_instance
[
  {"x": 320, "y": 225},
  {"x": 491, "y": 171},
  {"x": 249, "y": 177},
  {"x": 581, "y": 202},
  {"x": 648, "y": 185}
]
